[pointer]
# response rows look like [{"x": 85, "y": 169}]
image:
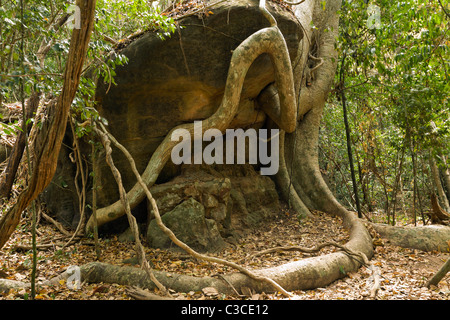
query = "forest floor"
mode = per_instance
[{"x": 403, "y": 271}]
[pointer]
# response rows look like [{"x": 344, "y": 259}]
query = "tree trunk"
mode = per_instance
[
  {"x": 426, "y": 238},
  {"x": 48, "y": 140},
  {"x": 9, "y": 174},
  {"x": 438, "y": 184},
  {"x": 440, "y": 274},
  {"x": 347, "y": 135},
  {"x": 445, "y": 173}
]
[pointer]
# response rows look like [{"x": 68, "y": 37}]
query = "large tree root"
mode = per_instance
[
  {"x": 426, "y": 238},
  {"x": 106, "y": 137},
  {"x": 305, "y": 274}
]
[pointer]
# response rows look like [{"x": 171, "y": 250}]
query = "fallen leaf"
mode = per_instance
[{"x": 210, "y": 291}]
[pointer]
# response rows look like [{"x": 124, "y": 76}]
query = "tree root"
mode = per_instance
[
  {"x": 169, "y": 232},
  {"x": 426, "y": 238},
  {"x": 353, "y": 254},
  {"x": 309, "y": 273},
  {"x": 104, "y": 137}
]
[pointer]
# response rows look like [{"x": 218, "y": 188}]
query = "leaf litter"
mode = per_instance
[{"x": 404, "y": 272}]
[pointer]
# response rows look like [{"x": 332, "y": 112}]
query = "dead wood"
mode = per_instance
[
  {"x": 439, "y": 274},
  {"x": 58, "y": 225}
]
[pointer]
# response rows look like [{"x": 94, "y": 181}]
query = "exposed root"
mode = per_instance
[
  {"x": 353, "y": 254},
  {"x": 131, "y": 219},
  {"x": 268, "y": 40},
  {"x": 169, "y": 232}
]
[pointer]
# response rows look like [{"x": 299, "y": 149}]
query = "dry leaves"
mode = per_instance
[{"x": 403, "y": 271}]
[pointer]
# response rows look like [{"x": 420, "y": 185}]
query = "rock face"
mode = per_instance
[
  {"x": 182, "y": 79},
  {"x": 224, "y": 201},
  {"x": 178, "y": 80},
  {"x": 190, "y": 225}
]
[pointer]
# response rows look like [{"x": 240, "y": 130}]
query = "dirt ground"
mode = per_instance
[{"x": 403, "y": 271}]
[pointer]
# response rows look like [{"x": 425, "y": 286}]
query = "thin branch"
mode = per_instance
[
  {"x": 443, "y": 9},
  {"x": 31, "y": 75},
  {"x": 294, "y": 3}
]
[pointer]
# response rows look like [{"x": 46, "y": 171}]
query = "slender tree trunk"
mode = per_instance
[
  {"x": 347, "y": 135},
  {"x": 445, "y": 173},
  {"x": 49, "y": 137},
  {"x": 397, "y": 183},
  {"x": 413, "y": 158},
  {"x": 440, "y": 274},
  {"x": 9, "y": 174},
  {"x": 438, "y": 184}
]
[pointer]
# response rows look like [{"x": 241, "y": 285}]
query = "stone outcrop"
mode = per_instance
[
  {"x": 173, "y": 81},
  {"x": 225, "y": 202}
]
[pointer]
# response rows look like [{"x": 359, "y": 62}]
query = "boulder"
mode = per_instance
[
  {"x": 236, "y": 197},
  {"x": 189, "y": 224},
  {"x": 170, "y": 82},
  {"x": 181, "y": 79}
]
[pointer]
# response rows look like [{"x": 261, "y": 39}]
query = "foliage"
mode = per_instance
[
  {"x": 397, "y": 85},
  {"x": 114, "y": 20}
]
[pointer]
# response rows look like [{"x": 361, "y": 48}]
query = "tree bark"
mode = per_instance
[
  {"x": 440, "y": 274},
  {"x": 9, "y": 174},
  {"x": 438, "y": 184},
  {"x": 49, "y": 138}
]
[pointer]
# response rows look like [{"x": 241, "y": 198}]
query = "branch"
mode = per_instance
[
  {"x": 443, "y": 8},
  {"x": 439, "y": 275}
]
